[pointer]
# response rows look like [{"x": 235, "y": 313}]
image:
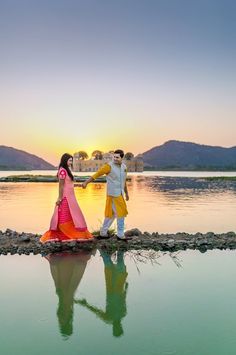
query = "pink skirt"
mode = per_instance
[{"x": 66, "y": 230}]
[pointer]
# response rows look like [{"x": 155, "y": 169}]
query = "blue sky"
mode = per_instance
[{"x": 106, "y": 74}]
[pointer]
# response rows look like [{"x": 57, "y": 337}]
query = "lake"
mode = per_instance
[
  {"x": 92, "y": 303},
  {"x": 139, "y": 302},
  {"x": 165, "y": 202}
]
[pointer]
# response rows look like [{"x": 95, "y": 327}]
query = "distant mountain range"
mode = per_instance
[
  {"x": 172, "y": 155},
  {"x": 176, "y": 155},
  {"x": 14, "y": 159}
]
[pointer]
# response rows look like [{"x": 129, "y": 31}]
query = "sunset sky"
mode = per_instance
[{"x": 105, "y": 74}]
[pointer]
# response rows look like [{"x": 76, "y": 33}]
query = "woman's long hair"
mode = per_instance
[{"x": 63, "y": 164}]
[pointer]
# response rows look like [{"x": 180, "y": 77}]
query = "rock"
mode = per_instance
[
  {"x": 197, "y": 235},
  {"x": 133, "y": 232},
  {"x": 230, "y": 234},
  {"x": 24, "y": 237},
  {"x": 202, "y": 249},
  {"x": 8, "y": 232},
  {"x": 181, "y": 234},
  {"x": 210, "y": 234},
  {"x": 155, "y": 234},
  {"x": 201, "y": 242},
  {"x": 147, "y": 234},
  {"x": 171, "y": 243},
  {"x": 72, "y": 244},
  {"x": 191, "y": 245},
  {"x": 26, "y": 243},
  {"x": 181, "y": 243}
]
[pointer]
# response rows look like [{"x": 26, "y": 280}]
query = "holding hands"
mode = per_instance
[
  {"x": 58, "y": 201},
  {"x": 84, "y": 185},
  {"x": 77, "y": 185}
]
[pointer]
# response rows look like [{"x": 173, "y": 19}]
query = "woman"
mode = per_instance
[
  {"x": 67, "y": 271},
  {"x": 67, "y": 222}
]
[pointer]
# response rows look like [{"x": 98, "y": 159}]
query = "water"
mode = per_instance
[
  {"x": 146, "y": 303},
  {"x": 145, "y": 173},
  {"x": 166, "y": 204},
  {"x": 91, "y": 304}
]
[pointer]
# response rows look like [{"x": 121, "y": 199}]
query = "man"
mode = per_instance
[
  {"x": 116, "y": 173},
  {"x": 116, "y": 292}
]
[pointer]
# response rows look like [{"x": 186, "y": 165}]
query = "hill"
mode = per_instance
[
  {"x": 14, "y": 159},
  {"x": 177, "y": 155}
]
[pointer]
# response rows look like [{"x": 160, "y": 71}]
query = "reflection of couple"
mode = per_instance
[
  {"x": 68, "y": 222},
  {"x": 67, "y": 271},
  {"x": 116, "y": 290}
]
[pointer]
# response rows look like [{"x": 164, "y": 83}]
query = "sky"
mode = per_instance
[{"x": 107, "y": 74}]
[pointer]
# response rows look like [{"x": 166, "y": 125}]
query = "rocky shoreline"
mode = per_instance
[
  {"x": 44, "y": 178},
  {"x": 12, "y": 242},
  {"x": 48, "y": 178}
]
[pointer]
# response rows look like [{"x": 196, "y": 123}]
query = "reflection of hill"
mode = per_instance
[{"x": 188, "y": 183}]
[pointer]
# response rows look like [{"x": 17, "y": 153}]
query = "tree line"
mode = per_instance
[{"x": 98, "y": 155}]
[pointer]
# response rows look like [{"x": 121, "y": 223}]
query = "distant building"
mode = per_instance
[{"x": 133, "y": 165}]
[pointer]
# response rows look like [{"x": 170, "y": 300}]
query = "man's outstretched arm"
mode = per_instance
[
  {"x": 105, "y": 169},
  {"x": 99, "y": 313}
]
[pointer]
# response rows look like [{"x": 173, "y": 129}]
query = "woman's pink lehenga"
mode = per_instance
[{"x": 67, "y": 222}]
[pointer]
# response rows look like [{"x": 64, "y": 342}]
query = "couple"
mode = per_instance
[
  {"x": 68, "y": 222},
  {"x": 67, "y": 271}
]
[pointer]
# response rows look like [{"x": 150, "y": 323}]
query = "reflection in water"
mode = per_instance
[
  {"x": 153, "y": 257},
  {"x": 156, "y": 203},
  {"x": 189, "y": 185},
  {"x": 67, "y": 271},
  {"x": 139, "y": 257},
  {"x": 170, "y": 310},
  {"x": 116, "y": 291}
]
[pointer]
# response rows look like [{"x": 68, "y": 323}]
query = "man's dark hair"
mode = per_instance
[{"x": 119, "y": 151}]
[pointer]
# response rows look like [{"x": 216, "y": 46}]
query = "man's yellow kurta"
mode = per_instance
[{"x": 119, "y": 201}]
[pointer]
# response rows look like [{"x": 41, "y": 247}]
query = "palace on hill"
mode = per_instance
[{"x": 133, "y": 165}]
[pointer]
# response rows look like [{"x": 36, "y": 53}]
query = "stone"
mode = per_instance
[
  {"x": 133, "y": 232},
  {"x": 210, "y": 234},
  {"x": 147, "y": 234},
  {"x": 73, "y": 244},
  {"x": 24, "y": 238},
  {"x": 231, "y": 234},
  {"x": 202, "y": 249},
  {"x": 9, "y": 231},
  {"x": 26, "y": 243},
  {"x": 201, "y": 242},
  {"x": 198, "y": 235},
  {"x": 171, "y": 243},
  {"x": 155, "y": 234}
]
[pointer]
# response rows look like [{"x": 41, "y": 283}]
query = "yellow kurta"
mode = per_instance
[{"x": 119, "y": 201}]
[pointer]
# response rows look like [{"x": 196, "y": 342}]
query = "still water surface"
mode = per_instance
[
  {"x": 91, "y": 303},
  {"x": 157, "y": 203}
]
